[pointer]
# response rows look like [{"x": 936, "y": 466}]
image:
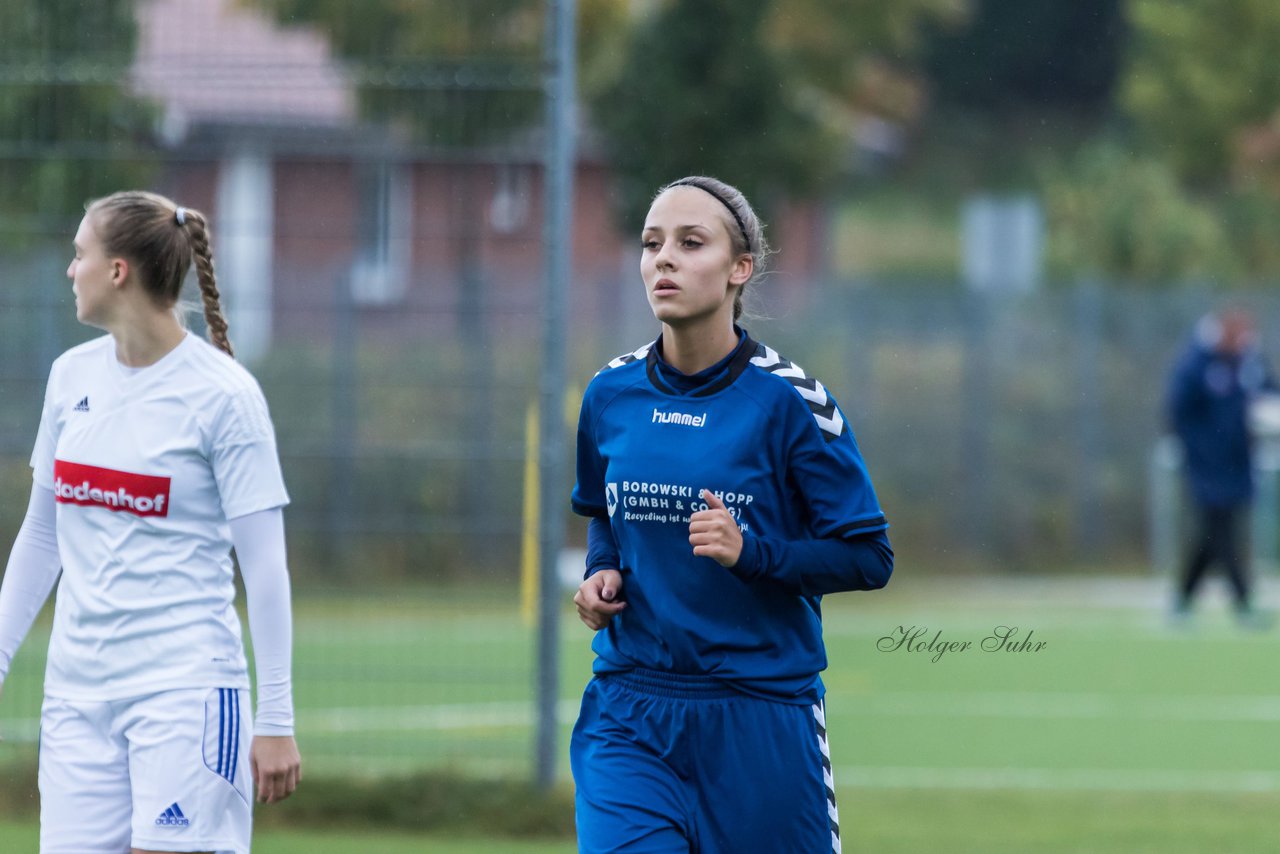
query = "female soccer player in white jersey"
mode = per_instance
[
  {"x": 155, "y": 455},
  {"x": 726, "y": 495}
]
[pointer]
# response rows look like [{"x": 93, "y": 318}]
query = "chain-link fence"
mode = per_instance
[
  {"x": 1005, "y": 433},
  {"x": 377, "y": 232},
  {"x": 371, "y": 173}
]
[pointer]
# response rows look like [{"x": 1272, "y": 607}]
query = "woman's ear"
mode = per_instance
[
  {"x": 119, "y": 271},
  {"x": 742, "y": 269}
]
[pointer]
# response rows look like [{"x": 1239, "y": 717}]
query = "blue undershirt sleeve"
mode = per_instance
[
  {"x": 588, "y": 498},
  {"x": 817, "y": 567},
  {"x": 602, "y": 551}
]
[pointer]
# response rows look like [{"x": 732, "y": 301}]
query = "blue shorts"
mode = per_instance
[{"x": 669, "y": 763}]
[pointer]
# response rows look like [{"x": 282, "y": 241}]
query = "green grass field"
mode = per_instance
[{"x": 1120, "y": 734}]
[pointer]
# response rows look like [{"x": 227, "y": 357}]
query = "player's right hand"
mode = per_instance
[
  {"x": 599, "y": 598},
  {"x": 276, "y": 767}
]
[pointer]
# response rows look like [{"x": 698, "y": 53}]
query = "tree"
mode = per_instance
[
  {"x": 391, "y": 32},
  {"x": 68, "y": 129},
  {"x": 1202, "y": 78},
  {"x": 1030, "y": 55},
  {"x": 698, "y": 92},
  {"x": 1124, "y": 215},
  {"x": 448, "y": 72},
  {"x": 445, "y": 73},
  {"x": 861, "y": 54},
  {"x": 762, "y": 93},
  {"x": 764, "y": 90}
]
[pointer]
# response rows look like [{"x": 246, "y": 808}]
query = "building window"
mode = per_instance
[{"x": 380, "y": 274}]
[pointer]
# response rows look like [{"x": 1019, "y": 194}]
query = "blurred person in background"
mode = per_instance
[
  {"x": 726, "y": 496},
  {"x": 1214, "y": 382},
  {"x": 155, "y": 455}
]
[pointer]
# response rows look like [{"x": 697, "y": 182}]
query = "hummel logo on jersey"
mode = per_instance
[
  {"x": 173, "y": 817},
  {"x": 682, "y": 418},
  {"x": 82, "y": 406}
]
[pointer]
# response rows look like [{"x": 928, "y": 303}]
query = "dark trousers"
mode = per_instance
[{"x": 1218, "y": 543}]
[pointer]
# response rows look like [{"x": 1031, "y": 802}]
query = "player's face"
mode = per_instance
[
  {"x": 1237, "y": 333},
  {"x": 90, "y": 273},
  {"x": 690, "y": 271}
]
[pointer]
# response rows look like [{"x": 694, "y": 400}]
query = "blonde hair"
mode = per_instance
[{"x": 162, "y": 240}]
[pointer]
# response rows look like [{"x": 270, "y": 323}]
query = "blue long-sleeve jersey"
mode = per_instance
[
  {"x": 776, "y": 448},
  {"x": 1207, "y": 408}
]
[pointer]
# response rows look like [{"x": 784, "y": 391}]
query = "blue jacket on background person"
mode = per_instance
[{"x": 1208, "y": 407}]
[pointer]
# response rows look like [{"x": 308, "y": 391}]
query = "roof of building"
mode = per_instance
[{"x": 217, "y": 61}]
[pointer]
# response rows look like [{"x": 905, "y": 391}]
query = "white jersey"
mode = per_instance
[{"x": 147, "y": 466}]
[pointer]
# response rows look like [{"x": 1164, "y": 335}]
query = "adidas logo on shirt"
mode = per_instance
[
  {"x": 173, "y": 817},
  {"x": 82, "y": 406}
]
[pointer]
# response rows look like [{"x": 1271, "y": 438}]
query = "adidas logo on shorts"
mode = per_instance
[{"x": 173, "y": 817}]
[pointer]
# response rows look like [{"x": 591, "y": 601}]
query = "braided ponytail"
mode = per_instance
[
  {"x": 198, "y": 231},
  {"x": 162, "y": 240}
]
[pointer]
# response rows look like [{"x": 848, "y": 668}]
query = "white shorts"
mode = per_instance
[{"x": 164, "y": 772}]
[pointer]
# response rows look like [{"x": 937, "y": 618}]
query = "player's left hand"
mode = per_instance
[
  {"x": 276, "y": 765},
  {"x": 714, "y": 533}
]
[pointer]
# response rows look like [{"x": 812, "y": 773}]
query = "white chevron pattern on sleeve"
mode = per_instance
[
  {"x": 815, "y": 394},
  {"x": 627, "y": 359}
]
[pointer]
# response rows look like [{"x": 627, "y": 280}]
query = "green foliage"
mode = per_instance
[
  {"x": 1119, "y": 214},
  {"x": 761, "y": 93},
  {"x": 1201, "y": 73},
  {"x": 1252, "y": 219},
  {"x": 602, "y": 41},
  {"x": 700, "y": 93},
  {"x": 437, "y": 801},
  {"x": 830, "y": 44},
  {"x": 391, "y": 31},
  {"x": 750, "y": 90},
  {"x": 1030, "y": 55},
  {"x": 68, "y": 129},
  {"x": 908, "y": 236},
  {"x": 1122, "y": 214},
  {"x": 25, "y": 836},
  {"x": 438, "y": 72}
]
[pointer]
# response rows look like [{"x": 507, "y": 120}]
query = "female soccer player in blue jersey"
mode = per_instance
[{"x": 726, "y": 495}]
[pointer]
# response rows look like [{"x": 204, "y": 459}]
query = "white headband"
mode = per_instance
[{"x": 182, "y": 216}]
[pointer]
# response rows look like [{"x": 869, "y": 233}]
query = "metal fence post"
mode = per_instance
[
  {"x": 1266, "y": 503},
  {"x": 1162, "y": 480},
  {"x": 342, "y": 449},
  {"x": 1087, "y": 513},
  {"x": 558, "y": 201}
]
